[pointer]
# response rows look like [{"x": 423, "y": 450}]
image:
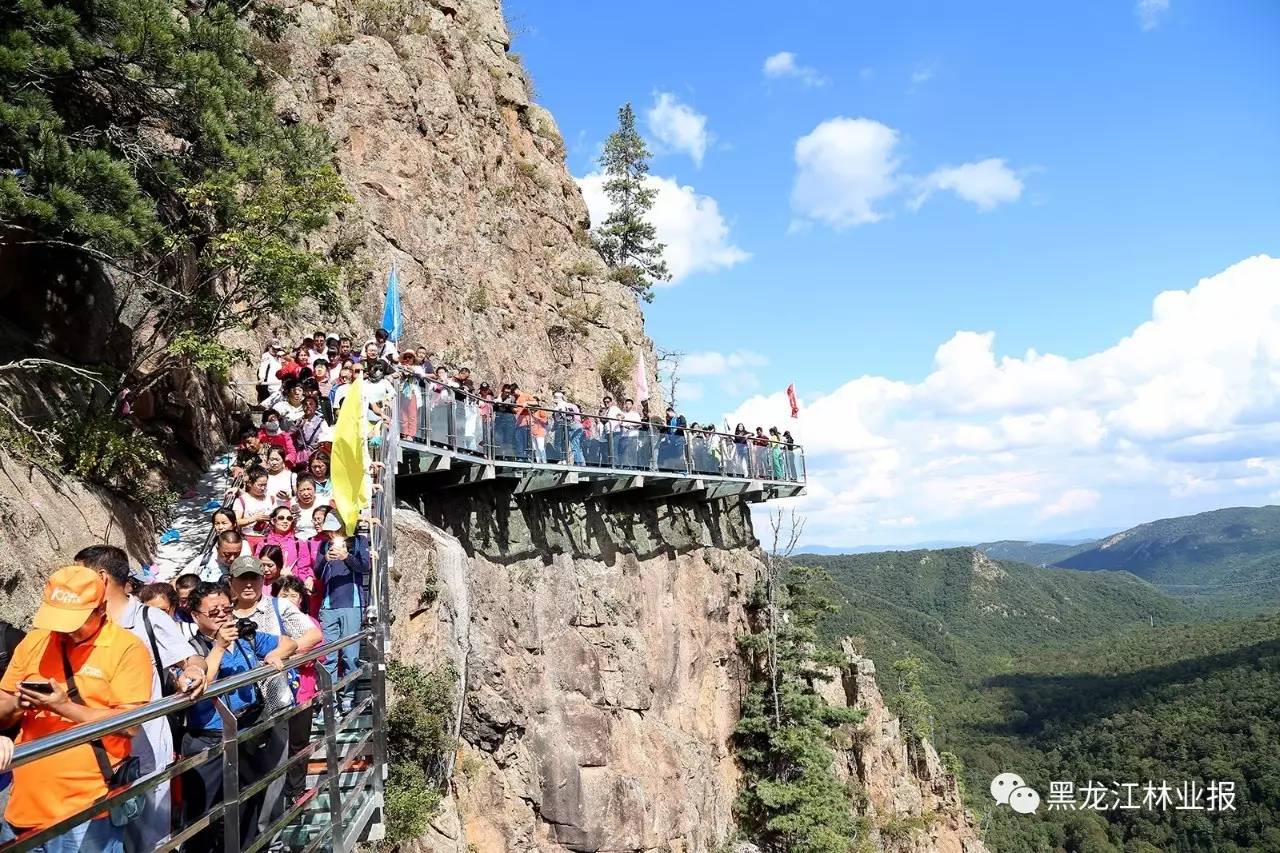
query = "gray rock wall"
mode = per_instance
[{"x": 602, "y": 679}]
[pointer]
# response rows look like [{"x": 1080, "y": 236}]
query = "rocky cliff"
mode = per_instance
[
  {"x": 599, "y": 679},
  {"x": 459, "y": 179}
]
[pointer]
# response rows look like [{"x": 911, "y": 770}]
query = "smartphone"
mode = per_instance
[{"x": 37, "y": 686}]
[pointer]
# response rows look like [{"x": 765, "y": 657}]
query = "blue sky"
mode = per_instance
[{"x": 898, "y": 173}]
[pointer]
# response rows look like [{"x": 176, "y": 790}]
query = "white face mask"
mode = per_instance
[{"x": 272, "y": 427}]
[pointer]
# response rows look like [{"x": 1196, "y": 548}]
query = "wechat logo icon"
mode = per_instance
[{"x": 1010, "y": 789}]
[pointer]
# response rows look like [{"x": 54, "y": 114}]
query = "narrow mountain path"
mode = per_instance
[{"x": 189, "y": 526}]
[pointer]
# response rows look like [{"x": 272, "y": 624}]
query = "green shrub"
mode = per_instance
[
  {"x": 418, "y": 743},
  {"x": 615, "y": 368}
]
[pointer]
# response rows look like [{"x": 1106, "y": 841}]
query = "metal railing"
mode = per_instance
[
  {"x": 446, "y": 416},
  {"x": 352, "y": 803},
  {"x": 228, "y": 811}
]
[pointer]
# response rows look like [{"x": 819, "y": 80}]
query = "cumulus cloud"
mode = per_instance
[
  {"x": 987, "y": 183},
  {"x": 848, "y": 170},
  {"x": 691, "y": 225},
  {"x": 1181, "y": 415},
  {"x": 785, "y": 64},
  {"x": 679, "y": 126},
  {"x": 844, "y": 168},
  {"x": 1150, "y": 12},
  {"x": 735, "y": 372},
  {"x": 922, "y": 74}
]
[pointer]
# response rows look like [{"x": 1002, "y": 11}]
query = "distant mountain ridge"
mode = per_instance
[
  {"x": 1231, "y": 553},
  {"x": 957, "y": 605}
]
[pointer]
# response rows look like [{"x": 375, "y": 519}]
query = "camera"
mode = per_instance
[{"x": 246, "y": 628}]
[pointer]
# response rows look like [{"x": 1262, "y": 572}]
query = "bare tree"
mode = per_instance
[
  {"x": 786, "y": 528},
  {"x": 669, "y": 372}
]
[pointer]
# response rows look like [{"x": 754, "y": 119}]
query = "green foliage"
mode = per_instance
[
  {"x": 108, "y": 451},
  {"x": 913, "y": 706},
  {"x": 478, "y": 298},
  {"x": 625, "y": 239},
  {"x": 791, "y": 799},
  {"x": 418, "y": 742},
  {"x": 143, "y": 135},
  {"x": 1058, "y": 675},
  {"x": 583, "y": 314},
  {"x": 582, "y": 269},
  {"x": 615, "y": 368},
  {"x": 1227, "y": 554}
]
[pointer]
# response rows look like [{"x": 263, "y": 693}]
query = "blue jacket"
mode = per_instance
[{"x": 343, "y": 579}]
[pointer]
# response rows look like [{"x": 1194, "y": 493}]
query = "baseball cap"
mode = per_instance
[
  {"x": 245, "y": 565},
  {"x": 70, "y": 595}
]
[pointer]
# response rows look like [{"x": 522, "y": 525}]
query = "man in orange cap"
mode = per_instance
[{"x": 72, "y": 643}]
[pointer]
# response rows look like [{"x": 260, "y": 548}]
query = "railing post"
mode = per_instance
[
  {"x": 330, "y": 704},
  {"x": 230, "y": 778}
]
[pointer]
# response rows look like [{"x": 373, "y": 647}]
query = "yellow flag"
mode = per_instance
[{"x": 349, "y": 462}]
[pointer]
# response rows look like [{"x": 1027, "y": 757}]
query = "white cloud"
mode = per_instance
[
  {"x": 987, "y": 183},
  {"x": 844, "y": 168},
  {"x": 1179, "y": 416},
  {"x": 718, "y": 364},
  {"x": 1150, "y": 12},
  {"x": 785, "y": 64},
  {"x": 1072, "y": 502},
  {"x": 922, "y": 74},
  {"x": 848, "y": 171},
  {"x": 679, "y": 126},
  {"x": 691, "y": 226}
]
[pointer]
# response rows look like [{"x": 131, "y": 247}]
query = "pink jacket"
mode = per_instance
[{"x": 299, "y": 555}]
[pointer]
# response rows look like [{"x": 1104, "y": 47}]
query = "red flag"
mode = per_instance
[{"x": 791, "y": 398}]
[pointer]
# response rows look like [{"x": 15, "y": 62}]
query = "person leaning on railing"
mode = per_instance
[
  {"x": 227, "y": 654},
  {"x": 177, "y": 668},
  {"x": 74, "y": 667}
]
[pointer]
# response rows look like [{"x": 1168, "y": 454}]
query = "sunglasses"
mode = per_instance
[{"x": 215, "y": 613}]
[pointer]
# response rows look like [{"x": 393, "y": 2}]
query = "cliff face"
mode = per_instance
[
  {"x": 599, "y": 679},
  {"x": 459, "y": 179},
  {"x": 597, "y": 655}
]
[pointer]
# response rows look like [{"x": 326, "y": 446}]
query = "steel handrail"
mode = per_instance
[
  {"x": 610, "y": 443},
  {"x": 34, "y": 750}
]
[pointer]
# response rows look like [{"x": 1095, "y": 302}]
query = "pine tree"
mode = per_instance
[
  {"x": 626, "y": 240},
  {"x": 791, "y": 801}
]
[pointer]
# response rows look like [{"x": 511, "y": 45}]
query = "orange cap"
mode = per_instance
[{"x": 72, "y": 593}]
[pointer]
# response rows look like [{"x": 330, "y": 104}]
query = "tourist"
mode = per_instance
[
  {"x": 290, "y": 408},
  {"x": 319, "y": 470},
  {"x": 343, "y": 564},
  {"x": 305, "y": 502},
  {"x": 162, "y": 596},
  {"x": 775, "y": 453},
  {"x": 740, "y": 449},
  {"x": 411, "y": 395},
  {"x": 630, "y": 421},
  {"x": 504, "y": 422},
  {"x": 312, "y": 431},
  {"x": 222, "y": 520},
  {"x": 272, "y": 434},
  {"x": 298, "y": 557},
  {"x": 280, "y": 480},
  {"x": 177, "y": 669},
  {"x": 789, "y": 454},
  {"x": 248, "y": 453},
  {"x": 384, "y": 349},
  {"x": 538, "y": 420},
  {"x": 290, "y": 589},
  {"x": 183, "y": 585},
  {"x": 253, "y": 506},
  {"x": 250, "y": 600},
  {"x": 71, "y": 638},
  {"x": 322, "y": 377},
  {"x": 268, "y": 365},
  {"x": 214, "y": 565},
  {"x": 228, "y": 654}
]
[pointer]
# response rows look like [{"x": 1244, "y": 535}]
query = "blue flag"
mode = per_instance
[{"x": 392, "y": 320}]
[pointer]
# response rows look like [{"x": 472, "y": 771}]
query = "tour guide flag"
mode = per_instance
[
  {"x": 392, "y": 321},
  {"x": 641, "y": 380},
  {"x": 791, "y": 398},
  {"x": 348, "y": 463}
]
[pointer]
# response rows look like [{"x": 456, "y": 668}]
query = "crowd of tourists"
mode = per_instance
[
  {"x": 445, "y": 405},
  {"x": 280, "y": 573}
]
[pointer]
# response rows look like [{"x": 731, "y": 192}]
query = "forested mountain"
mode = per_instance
[
  {"x": 1059, "y": 675},
  {"x": 1231, "y": 552},
  {"x": 1035, "y": 553}
]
